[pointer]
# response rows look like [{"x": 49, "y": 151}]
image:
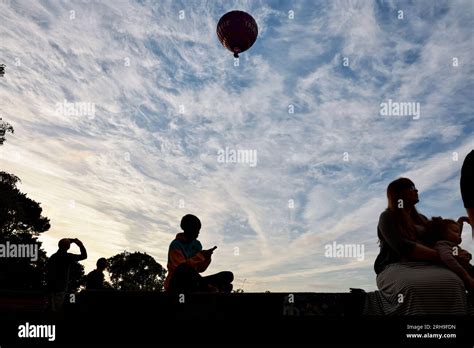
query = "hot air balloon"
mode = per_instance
[{"x": 237, "y": 31}]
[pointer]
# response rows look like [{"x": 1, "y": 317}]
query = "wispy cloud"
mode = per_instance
[{"x": 168, "y": 97}]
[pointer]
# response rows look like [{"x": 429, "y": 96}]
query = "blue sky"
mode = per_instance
[{"x": 167, "y": 97}]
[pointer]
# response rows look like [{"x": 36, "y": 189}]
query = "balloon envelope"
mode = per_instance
[{"x": 237, "y": 31}]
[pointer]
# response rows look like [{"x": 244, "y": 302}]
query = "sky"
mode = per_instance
[{"x": 152, "y": 98}]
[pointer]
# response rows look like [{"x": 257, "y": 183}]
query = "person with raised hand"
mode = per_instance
[{"x": 58, "y": 270}]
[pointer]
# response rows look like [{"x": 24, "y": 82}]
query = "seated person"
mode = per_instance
[
  {"x": 407, "y": 268},
  {"x": 444, "y": 235},
  {"x": 95, "y": 279},
  {"x": 186, "y": 260}
]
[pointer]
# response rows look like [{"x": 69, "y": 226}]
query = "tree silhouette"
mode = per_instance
[
  {"x": 18, "y": 213},
  {"x": 77, "y": 277},
  {"x": 20, "y": 223},
  {"x": 135, "y": 272},
  {"x": 4, "y": 129}
]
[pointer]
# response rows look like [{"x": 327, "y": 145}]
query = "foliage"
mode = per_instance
[
  {"x": 4, "y": 129},
  {"x": 20, "y": 223},
  {"x": 135, "y": 272}
]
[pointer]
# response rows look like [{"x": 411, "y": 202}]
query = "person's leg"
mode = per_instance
[
  {"x": 222, "y": 281},
  {"x": 185, "y": 279}
]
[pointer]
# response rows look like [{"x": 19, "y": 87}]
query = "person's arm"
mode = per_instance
[
  {"x": 207, "y": 259},
  {"x": 423, "y": 253},
  {"x": 461, "y": 221},
  {"x": 389, "y": 233},
  {"x": 83, "y": 254},
  {"x": 202, "y": 265},
  {"x": 199, "y": 262},
  {"x": 447, "y": 257},
  {"x": 463, "y": 257},
  {"x": 403, "y": 247}
]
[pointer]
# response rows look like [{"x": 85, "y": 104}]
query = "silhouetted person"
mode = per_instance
[
  {"x": 59, "y": 265},
  {"x": 467, "y": 187},
  {"x": 95, "y": 279},
  {"x": 406, "y": 265},
  {"x": 186, "y": 260},
  {"x": 444, "y": 235}
]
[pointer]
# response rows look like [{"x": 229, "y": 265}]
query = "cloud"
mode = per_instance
[{"x": 168, "y": 97}]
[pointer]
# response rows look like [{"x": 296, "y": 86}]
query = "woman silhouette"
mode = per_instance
[{"x": 410, "y": 278}]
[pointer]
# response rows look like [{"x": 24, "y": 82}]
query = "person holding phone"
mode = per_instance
[{"x": 187, "y": 259}]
